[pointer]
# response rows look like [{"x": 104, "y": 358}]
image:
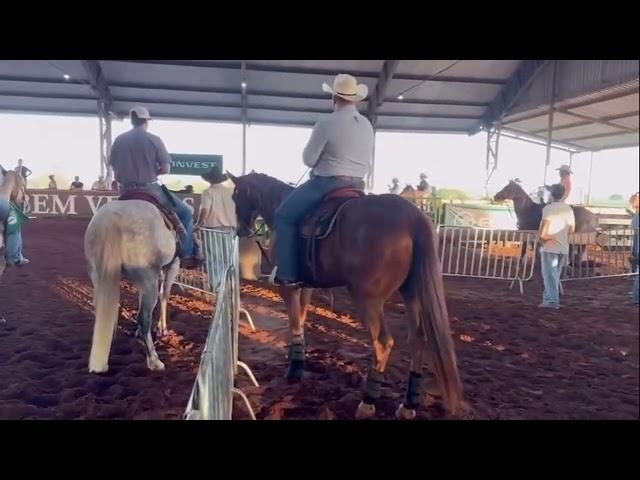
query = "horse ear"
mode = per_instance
[{"x": 232, "y": 177}]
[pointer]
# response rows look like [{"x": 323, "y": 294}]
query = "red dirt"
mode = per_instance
[{"x": 516, "y": 361}]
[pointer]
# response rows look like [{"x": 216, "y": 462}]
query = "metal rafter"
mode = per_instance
[
  {"x": 517, "y": 84},
  {"x": 256, "y": 67},
  {"x": 97, "y": 80},
  {"x": 380, "y": 91}
]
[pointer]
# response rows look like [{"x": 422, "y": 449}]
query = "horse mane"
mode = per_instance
[{"x": 265, "y": 193}]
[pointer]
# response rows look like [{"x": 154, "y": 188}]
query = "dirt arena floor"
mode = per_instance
[{"x": 516, "y": 361}]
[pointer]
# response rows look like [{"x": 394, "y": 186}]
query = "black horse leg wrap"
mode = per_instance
[
  {"x": 372, "y": 387},
  {"x": 296, "y": 349},
  {"x": 412, "y": 397}
]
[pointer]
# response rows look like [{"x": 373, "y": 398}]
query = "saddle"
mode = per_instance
[
  {"x": 319, "y": 224},
  {"x": 170, "y": 218}
]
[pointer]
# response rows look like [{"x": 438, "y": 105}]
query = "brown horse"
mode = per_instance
[
  {"x": 379, "y": 244},
  {"x": 529, "y": 215}
]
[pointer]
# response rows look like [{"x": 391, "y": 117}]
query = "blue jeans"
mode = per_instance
[
  {"x": 552, "y": 264},
  {"x": 299, "y": 203},
  {"x": 187, "y": 244},
  {"x": 13, "y": 252}
]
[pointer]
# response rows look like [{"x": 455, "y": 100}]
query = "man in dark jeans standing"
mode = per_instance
[{"x": 339, "y": 153}]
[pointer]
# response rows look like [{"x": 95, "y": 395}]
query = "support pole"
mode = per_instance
[
  {"x": 108, "y": 143},
  {"x": 590, "y": 172},
  {"x": 570, "y": 159},
  {"x": 493, "y": 144},
  {"x": 243, "y": 87},
  {"x": 244, "y": 147},
  {"x": 550, "y": 125},
  {"x": 102, "y": 147},
  {"x": 370, "y": 177},
  {"x": 104, "y": 125}
]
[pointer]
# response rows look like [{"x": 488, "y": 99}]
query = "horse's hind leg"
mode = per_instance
[
  {"x": 165, "y": 291},
  {"x": 412, "y": 399},
  {"x": 148, "y": 299},
  {"x": 372, "y": 312}
]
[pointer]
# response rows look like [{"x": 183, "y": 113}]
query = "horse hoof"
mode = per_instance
[
  {"x": 155, "y": 365},
  {"x": 162, "y": 333},
  {"x": 365, "y": 411},
  {"x": 295, "y": 375},
  {"x": 403, "y": 413},
  {"x": 93, "y": 368}
]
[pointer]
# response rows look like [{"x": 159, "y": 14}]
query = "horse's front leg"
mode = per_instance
[
  {"x": 296, "y": 301},
  {"x": 165, "y": 292}
]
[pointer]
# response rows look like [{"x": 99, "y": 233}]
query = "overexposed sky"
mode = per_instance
[{"x": 70, "y": 146}]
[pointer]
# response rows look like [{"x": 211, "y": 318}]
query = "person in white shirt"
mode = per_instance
[
  {"x": 101, "y": 184},
  {"x": 558, "y": 222},
  {"x": 217, "y": 208}
]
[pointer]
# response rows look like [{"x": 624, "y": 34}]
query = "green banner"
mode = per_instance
[
  {"x": 192, "y": 164},
  {"x": 15, "y": 220}
]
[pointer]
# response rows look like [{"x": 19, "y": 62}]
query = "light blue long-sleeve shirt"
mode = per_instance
[{"x": 341, "y": 144}]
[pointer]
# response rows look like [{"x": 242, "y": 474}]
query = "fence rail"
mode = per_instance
[
  {"x": 212, "y": 394},
  {"x": 488, "y": 253},
  {"x": 603, "y": 254}
]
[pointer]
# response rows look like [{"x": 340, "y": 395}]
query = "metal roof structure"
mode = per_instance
[
  {"x": 435, "y": 95},
  {"x": 582, "y": 105},
  {"x": 595, "y": 104},
  {"x": 575, "y": 105}
]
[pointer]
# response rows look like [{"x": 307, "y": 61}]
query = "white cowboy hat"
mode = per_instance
[
  {"x": 347, "y": 87},
  {"x": 141, "y": 112}
]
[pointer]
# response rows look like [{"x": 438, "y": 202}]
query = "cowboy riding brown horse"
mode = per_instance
[{"x": 374, "y": 245}]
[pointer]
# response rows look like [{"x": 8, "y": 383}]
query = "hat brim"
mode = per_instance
[
  {"x": 360, "y": 94},
  {"x": 568, "y": 170},
  {"x": 207, "y": 177}
]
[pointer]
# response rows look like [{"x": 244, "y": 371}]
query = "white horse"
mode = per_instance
[{"x": 129, "y": 237}]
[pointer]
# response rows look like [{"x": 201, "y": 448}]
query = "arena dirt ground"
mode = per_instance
[{"x": 516, "y": 361}]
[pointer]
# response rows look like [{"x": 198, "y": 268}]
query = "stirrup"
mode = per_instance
[{"x": 274, "y": 281}]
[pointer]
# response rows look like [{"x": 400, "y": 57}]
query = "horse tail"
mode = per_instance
[
  {"x": 427, "y": 284},
  {"x": 107, "y": 266}
]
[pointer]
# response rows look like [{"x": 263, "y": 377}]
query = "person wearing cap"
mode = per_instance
[
  {"x": 558, "y": 222},
  {"x": 338, "y": 153},
  {"x": 217, "y": 208},
  {"x": 137, "y": 158},
  {"x": 566, "y": 180}
]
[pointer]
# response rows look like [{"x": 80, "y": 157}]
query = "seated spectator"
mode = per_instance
[
  {"x": 114, "y": 186},
  {"x": 53, "y": 185},
  {"x": 101, "y": 184},
  {"x": 76, "y": 184}
]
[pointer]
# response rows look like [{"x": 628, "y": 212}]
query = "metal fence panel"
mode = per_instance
[
  {"x": 212, "y": 394},
  {"x": 603, "y": 254},
  {"x": 488, "y": 253}
]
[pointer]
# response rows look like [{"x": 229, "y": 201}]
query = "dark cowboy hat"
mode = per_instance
[{"x": 214, "y": 175}]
